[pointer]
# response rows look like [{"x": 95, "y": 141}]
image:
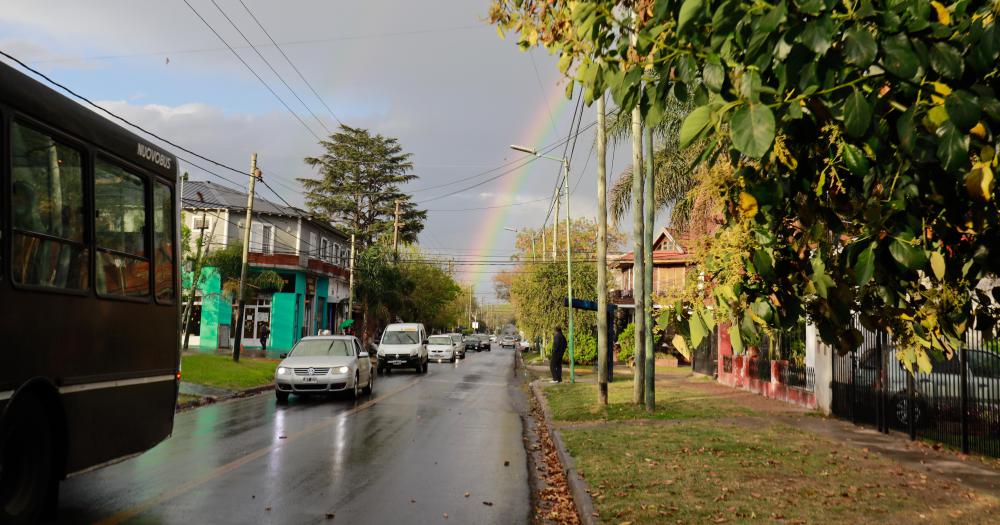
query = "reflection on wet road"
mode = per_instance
[{"x": 407, "y": 454}]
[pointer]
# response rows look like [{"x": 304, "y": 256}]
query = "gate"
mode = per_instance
[
  {"x": 705, "y": 358},
  {"x": 958, "y": 403}
]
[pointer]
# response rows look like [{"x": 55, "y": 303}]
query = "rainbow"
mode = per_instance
[{"x": 538, "y": 133}]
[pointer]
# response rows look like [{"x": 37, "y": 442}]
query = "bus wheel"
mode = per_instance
[{"x": 27, "y": 476}]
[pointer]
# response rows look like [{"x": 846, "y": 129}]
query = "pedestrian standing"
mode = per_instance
[
  {"x": 263, "y": 333},
  {"x": 555, "y": 360}
]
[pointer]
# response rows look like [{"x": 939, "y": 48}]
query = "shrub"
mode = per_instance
[{"x": 626, "y": 343}]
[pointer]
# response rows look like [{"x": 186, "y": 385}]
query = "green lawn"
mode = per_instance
[
  {"x": 674, "y": 400},
  {"x": 184, "y": 398},
  {"x": 221, "y": 372},
  {"x": 699, "y": 468}
]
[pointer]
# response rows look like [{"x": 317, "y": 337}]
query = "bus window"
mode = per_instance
[
  {"x": 163, "y": 241},
  {"x": 120, "y": 208},
  {"x": 47, "y": 212}
]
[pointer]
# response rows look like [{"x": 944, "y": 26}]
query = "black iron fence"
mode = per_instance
[
  {"x": 705, "y": 357},
  {"x": 791, "y": 374},
  {"x": 958, "y": 403}
]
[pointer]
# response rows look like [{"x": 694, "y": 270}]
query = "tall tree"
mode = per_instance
[{"x": 358, "y": 187}]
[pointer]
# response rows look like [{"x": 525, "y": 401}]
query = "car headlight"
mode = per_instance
[
  {"x": 343, "y": 370},
  {"x": 282, "y": 370}
]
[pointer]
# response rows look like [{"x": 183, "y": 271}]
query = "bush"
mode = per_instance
[
  {"x": 584, "y": 350},
  {"x": 626, "y": 343}
]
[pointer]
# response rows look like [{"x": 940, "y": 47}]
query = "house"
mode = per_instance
[
  {"x": 311, "y": 255},
  {"x": 670, "y": 261}
]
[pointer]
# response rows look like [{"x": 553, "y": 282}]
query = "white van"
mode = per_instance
[{"x": 403, "y": 345}]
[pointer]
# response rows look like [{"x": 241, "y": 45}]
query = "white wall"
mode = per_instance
[{"x": 820, "y": 357}]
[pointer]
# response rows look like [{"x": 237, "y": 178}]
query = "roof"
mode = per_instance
[
  {"x": 667, "y": 249},
  {"x": 205, "y": 195}
]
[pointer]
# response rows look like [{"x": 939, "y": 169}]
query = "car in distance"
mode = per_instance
[
  {"x": 484, "y": 342},
  {"x": 493, "y": 338},
  {"x": 471, "y": 343},
  {"x": 403, "y": 345},
  {"x": 507, "y": 342},
  {"x": 441, "y": 348},
  {"x": 323, "y": 364},
  {"x": 459, "y": 345}
]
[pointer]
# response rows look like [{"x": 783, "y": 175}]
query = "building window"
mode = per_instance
[
  {"x": 48, "y": 219},
  {"x": 267, "y": 239},
  {"x": 313, "y": 245},
  {"x": 120, "y": 219},
  {"x": 323, "y": 248}
]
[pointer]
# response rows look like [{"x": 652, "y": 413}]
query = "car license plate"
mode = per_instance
[
  {"x": 396, "y": 362},
  {"x": 310, "y": 379}
]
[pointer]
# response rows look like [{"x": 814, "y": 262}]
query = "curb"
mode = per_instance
[
  {"x": 210, "y": 400},
  {"x": 577, "y": 485}
]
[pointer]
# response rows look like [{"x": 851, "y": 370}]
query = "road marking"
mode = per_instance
[
  {"x": 465, "y": 382},
  {"x": 237, "y": 463}
]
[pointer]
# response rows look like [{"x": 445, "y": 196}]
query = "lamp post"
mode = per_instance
[
  {"x": 569, "y": 249},
  {"x": 532, "y": 237}
]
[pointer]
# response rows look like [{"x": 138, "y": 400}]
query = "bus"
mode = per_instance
[{"x": 89, "y": 304}]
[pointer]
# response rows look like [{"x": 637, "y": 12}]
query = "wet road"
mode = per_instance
[{"x": 407, "y": 454}]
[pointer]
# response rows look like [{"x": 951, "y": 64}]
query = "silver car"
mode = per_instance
[
  {"x": 324, "y": 364},
  {"x": 441, "y": 348}
]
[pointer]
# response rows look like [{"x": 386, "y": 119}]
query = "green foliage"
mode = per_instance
[
  {"x": 358, "y": 188},
  {"x": 539, "y": 292},
  {"x": 584, "y": 349},
  {"x": 863, "y": 138},
  {"x": 432, "y": 301},
  {"x": 626, "y": 343},
  {"x": 229, "y": 262}
]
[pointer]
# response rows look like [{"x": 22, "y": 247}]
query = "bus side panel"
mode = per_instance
[{"x": 113, "y": 422}]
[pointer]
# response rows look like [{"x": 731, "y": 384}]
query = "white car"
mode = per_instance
[
  {"x": 322, "y": 364},
  {"x": 459, "y": 345},
  {"x": 441, "y": 348},
  {"x": 403, "y": 345}
]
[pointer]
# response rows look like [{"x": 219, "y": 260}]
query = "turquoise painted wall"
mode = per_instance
[
  {"x": 284, "y": 322},
  {"x": 215, "y": 309},
  {"x": 322, "y": 291}
]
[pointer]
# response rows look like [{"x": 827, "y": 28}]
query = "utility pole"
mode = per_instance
[
  {"x": 543, "y": 242},
  {"x": 638, "y": 274},
  {"x": 196, "y": 274},
  {"x": 569, "y": 277},
  {"x": 602, "y": 255},
  {"x": 395, "y": 232},
  {"x": 555, "y": 225},
  {"x": 240, "y": 301},
  {"x": 350, "y": 286},
  {"x": 648, "y": 212}
]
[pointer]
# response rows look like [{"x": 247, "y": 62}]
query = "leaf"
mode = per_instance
[
  {"x": 946, "y": 61},
  {"x": 857, "y": 114},
  {"x": 689, "y": 10},
  {"x": 864, "y": 268},
  {"x": 736, "y": 339},
  {"x": 907, "y": 255},
  {"x": 943, "y": 16},
  {"x": 899, "y": 57},
  {"x": 963, "y": 109},
  {"x": 924, "y": 361},
  {"x": 953, "y": 147},
  {"x": 906, "y": 130},
  {"x": 714, "y": 75},
  {"x": 855, "y": 160},
  {"x": 937, "y": 265},
  {"x": 979, "y": 182},
  {"x": 694, "y": 124},
  {"x": 681, "y": 345},
  {"x": 818, "y": 35},
  {"x": 859, "y": 47},
  {"x": 748, "y": 205},
  {"x": 752, "y": 130}
]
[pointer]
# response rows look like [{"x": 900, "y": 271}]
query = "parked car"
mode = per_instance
[
  {"x": 403, "y": 345},
  {"x": 441, "y": 348},
  {"x": 324, "y": 364},
  {"x": 471, "y": 343},
  {"x": 508, "y": 342},
  {"x": 493, "y": 338},
  {"x": 484, "y": 342},
  {"x": 459, "y": 345}
]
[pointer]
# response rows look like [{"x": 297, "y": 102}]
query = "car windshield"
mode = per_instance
[
  {"x": 439, "y": 340},
  {"x": 400, "y": 338},
  {"x": 322, "y": 347}
]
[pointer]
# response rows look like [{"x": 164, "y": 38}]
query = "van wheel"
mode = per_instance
[{"x": 28, "y": 479}]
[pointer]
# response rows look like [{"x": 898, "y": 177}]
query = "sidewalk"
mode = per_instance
[{"x": 714, "y": 454}]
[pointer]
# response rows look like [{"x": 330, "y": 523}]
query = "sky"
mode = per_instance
[{"x": 433, "y": 74}]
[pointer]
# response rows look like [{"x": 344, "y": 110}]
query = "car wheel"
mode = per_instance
[
  {"x": 452, "y": 360},
  {"x": 356, "y": 391},
  {"x": 282, "y": 397},
  {"x": 426, "y": 367},
  {"x": 27, "y": 463},
  {"x": 371, "y": 384},
  {"x": 900, "y": 408}
]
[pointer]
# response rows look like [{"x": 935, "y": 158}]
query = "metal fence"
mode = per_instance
[
  {"x": 791, "y": 374},
  {"x": 705, "y": 357},
  {"x": 958, "y": 403}
]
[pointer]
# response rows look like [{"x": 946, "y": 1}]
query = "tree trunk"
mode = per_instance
[
  {"x": 638, "y": 273},
  {"x": 602, "y": 256},
  {"x": 648, "y": 212}
]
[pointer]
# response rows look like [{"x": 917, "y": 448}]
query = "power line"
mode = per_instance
[
  {"x": 261, "y": 26},
  {"x": 251, "y": 70},
  {"x": 490, "y": 207}
]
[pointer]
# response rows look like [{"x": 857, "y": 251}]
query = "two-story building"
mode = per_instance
[
  {"x": 311, "y": 255},
  {"x": 670, "y": 260}
]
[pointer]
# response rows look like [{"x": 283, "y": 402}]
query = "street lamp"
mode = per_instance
[
  {"x": 532, "y": 237},
  {"x": 569, "y": 249}
]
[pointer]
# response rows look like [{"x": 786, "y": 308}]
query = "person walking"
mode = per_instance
[
  {"x": 263, "y": 333},
  {"x": 555, "y": 360}
]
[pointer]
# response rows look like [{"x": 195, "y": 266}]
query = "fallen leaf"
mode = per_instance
[
  {"x": 488, "y": 503},
  {"x": 268, "y": 508},
  {"x": 445, "y": 515},
  {"x": 506, "y": 463},
  {"x": 329, "y": 515},
  {"x": 467, "y": 494}
]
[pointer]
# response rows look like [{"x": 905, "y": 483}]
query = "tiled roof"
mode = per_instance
[{"x": 208, "y": 195}]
